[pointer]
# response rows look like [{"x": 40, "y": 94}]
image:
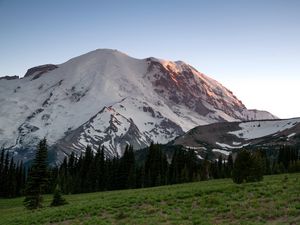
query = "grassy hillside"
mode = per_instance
[{"x": 276, "y": 200}]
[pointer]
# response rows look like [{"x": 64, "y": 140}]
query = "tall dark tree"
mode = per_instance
[
  {"x": 2, "y": 174},
  {"x": 127, "y": 176},
  {"x": 11, "y": 179},
  {"x": 156, "y": 166},
  {"x": 229, "y": 166},
  {"x": 5, "y": 174},
  {"x": 257, "y": 169},
  {"x": 20, "y": 179},
  {"x": 241, "y": 166},
  {"x": 37, "y": 179}
]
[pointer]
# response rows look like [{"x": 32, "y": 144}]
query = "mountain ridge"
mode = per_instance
[{"x": 227, "y": 137}]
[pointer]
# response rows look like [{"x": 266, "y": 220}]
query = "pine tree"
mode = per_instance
[
  {"x": 229, "y": 166},
  {"x": 102, "y": 170},
  {"x": 205, "y": 172},
  {"x": 127, "y": 176},
  {"x": 58, "y": 198},
  {"x": 5, "y": 171},
  {"x": 2, "y": 180},
  {"x": 257, "y": 169},
  {"x": 86, "y": 178},
  {"x": 156, "y": 166},
  {"x": 131, "y": 168},
  {"x": 220, "y": 167},
  {"x": 19, "y": 179},
  {"x": 11, "y": 179},
  {"x": 248, "y": 167},
  {"x": 241, "y": 167},
  {"x": 37, "y": 179}
]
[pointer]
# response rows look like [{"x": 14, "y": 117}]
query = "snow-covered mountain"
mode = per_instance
[
  {"x": 226, "y": 137},
  {"x": 108, "y": 98}
]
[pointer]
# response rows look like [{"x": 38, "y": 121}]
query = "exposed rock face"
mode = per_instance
[
  {"x": 37, "y": 71},
  {"x": 108, "y": 98},
  {"x": 9, "y": 77},
  {"x": 182, "y": 84}
]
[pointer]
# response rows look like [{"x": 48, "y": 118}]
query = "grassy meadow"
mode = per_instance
[{"x": 275, "y": 200}]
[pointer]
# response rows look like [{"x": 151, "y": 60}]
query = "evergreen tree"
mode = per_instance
[
  {"x": 11, "y": 179},
  {"x": 241, "y": 167},
  {"x": 127, "y": 171},
  {"x": 5, "y": 172},
  {"x": 20, "y": 179},
  {"x": 156, "y": 166},
  {"x": 205, "y": 172},
  {"x": 58, "y": 198},
  {"x": 2, "y": 180},
  {"x": 257, "y": 169},
  {"x": 102, "y": 170},
  {"x": 37, "y": 179},
  {"x": 229, "y": 166},
  {"x": 248, "y": 167}
]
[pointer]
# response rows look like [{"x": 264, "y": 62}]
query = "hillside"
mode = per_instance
[
  {"x": 225, "y": 137},
  {"x": 272, "y": 201}
]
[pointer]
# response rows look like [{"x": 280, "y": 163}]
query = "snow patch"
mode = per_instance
[
  {"x": 257, "y": 129},
  {"x": 223, "y": 145},
  {"x": 221, "y": 151}
]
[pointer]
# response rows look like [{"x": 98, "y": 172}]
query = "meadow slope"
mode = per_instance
[{"x": 276, "y": 200}]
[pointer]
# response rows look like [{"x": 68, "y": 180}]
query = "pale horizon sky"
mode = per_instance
[{"x": 251, "y": 47}]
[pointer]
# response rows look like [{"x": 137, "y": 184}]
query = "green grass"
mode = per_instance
[{"x": 276, "y": 200}]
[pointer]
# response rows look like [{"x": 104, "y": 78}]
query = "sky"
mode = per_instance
[{"x": 251, "y": 47}]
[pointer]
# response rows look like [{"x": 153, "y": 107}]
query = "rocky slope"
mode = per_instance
[{"x": 226, "y": 137}]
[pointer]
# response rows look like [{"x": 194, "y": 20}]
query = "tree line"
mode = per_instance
[
  {"x": 12, "y": 176},
  {"x": 93, "y": 171}
]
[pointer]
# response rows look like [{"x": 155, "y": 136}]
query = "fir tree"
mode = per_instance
[
  {"x": 58, "y": 198},
  {"x": 5, "y": 172},
  {"x": 37, "y": 179},
  {"x": 156, "y": 166},
  {"x": 11, "y": 179},
  {"x": 241, "y": 167},
  {"x": 257, "y": 169},
  {"x": 2, "y": 180},
  {"x": 248, "y": 167}
]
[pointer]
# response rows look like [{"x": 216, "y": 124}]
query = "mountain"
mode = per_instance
[
  {"x": 226, "y": 137},
  {"x": 108, "y": 98}
]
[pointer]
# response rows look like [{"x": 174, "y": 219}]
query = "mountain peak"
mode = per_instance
[
  {"x": 105, "y": 53},
  {"x": 144, "y": 100},
  {"x": 108, "y": 51}
]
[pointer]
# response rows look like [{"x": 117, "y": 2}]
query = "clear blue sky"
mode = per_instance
[{"x": 251, "y": 46}]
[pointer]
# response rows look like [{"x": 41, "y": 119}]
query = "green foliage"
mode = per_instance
[{"x": 37, "y": 179}]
